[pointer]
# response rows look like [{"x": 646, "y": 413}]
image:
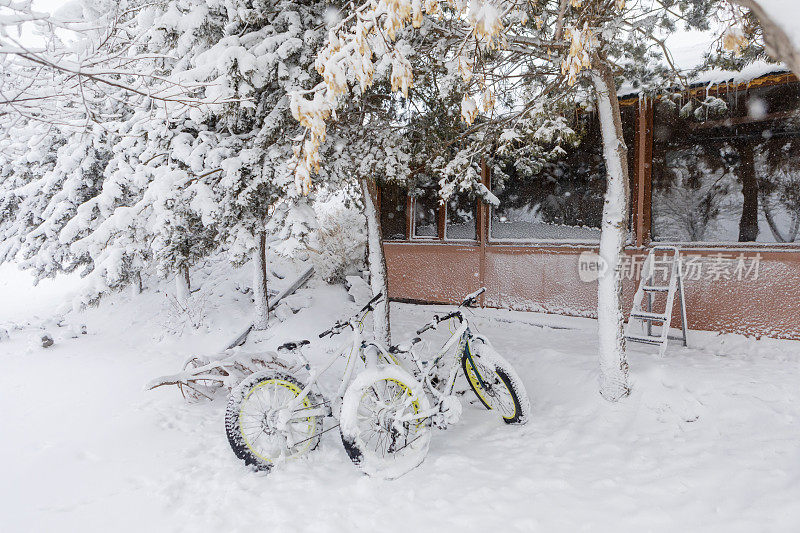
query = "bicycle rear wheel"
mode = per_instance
[
  {"x": 495, "y": 382},
  {"x": 260, "y": 428}
]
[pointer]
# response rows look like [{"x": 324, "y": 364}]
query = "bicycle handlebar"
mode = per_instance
[
  {"x": 437, "y": 319},
  {"x": 469, "y": 301},
  {"x": 472, "y": 299},
  {"x": 342, "y": 324},
  {"x": 335, "y": 329},
  {"x": 370, "y": 303},
  {"x": 424, "y": 328}
]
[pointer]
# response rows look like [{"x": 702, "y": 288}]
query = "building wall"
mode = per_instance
[{"x": 530, "y": 278}]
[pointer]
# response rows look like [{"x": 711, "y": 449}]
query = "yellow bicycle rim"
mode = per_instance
[
  {"x": 471, "y": 369},
  {"x": 406, "y": 391},
  {"x": 306, "y": 404}
]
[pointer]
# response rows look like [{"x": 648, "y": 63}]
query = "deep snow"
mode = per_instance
[{"x": 709, "y": 440}]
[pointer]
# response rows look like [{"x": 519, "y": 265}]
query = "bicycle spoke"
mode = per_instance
[
  {"x": 392, "y": 399},
  {"x": 378, "y": 395},
  {"x": 497, "y": 391},
  {"x": 260, "y": 411},
  {"x": 408, "y": 443}
]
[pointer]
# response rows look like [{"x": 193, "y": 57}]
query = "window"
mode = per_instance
[
  {"x": 426, "y": 211},
  {"x": 393, "y": 212},
  {"x": 562, "y": 202},
  {"x": 461, "y": 218},
  {"x": 729, "y": 177}
]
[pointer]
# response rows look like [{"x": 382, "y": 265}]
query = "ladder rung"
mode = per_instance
[
  {"x": 655, "y": 288},
  {"x": 645, "y": 340},
  {"x": 643, "y": 315}
]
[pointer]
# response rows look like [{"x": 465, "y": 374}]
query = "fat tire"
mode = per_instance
[
  {"x": 362, "y": 458},
  {"x": 232, "y": 429},
  {"x": 488, "y": 356}
]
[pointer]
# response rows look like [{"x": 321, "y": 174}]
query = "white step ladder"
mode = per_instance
[{"x": 649, "y": 285}]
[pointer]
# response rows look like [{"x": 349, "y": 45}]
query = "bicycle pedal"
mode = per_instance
[
  {"x": 451, "y": 409},
  {"x": 438, "y": 421}
]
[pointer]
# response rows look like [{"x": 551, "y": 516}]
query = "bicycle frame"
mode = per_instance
[
  {"x": 464, "y": 336},
  {"x": 354, "y": 344},
  {"x": 370, "y": 352},
  {"x": 358, "y": 349},
  {"x": 460, "y": 336}
]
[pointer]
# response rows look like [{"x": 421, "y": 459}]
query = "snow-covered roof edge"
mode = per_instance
[{"x": 709, "y": 78}]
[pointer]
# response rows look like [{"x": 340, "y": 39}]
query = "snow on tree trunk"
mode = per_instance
[
  {"x": 136, "y": 284},
  {"x": 613, "y": 362},
  {"x": 779, "y": 43},
  {"x": 376, "y": 264},
  {"x": 260, "y": 296},
  {"x": 182, "y": 287}
]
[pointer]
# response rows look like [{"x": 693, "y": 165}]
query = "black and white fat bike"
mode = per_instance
[
  {"x": 387, "y": 413},
  {"x": 278, "y": 413}
]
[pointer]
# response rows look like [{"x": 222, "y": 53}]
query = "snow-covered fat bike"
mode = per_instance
[
  {"x": 277, "y": 414},
  {"x": 386, "y": 415}
]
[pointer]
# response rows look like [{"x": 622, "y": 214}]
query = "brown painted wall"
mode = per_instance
[
  {"x": 530, "y": 278},
  {"x": 431, "y": 272}
]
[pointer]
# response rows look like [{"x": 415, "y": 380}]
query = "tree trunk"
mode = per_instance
[
  {"x": 773, "y": 226},
  {"x": 376, "y": 263},
  {"x": 260, "y": 295},
  {"x": 777, "y": 42},
  {"x": 182, "y": 285},
  {"x": 136, "y": 284},
  {"x": 748, "y": 223},
  {"x": 610, "y": 318}
]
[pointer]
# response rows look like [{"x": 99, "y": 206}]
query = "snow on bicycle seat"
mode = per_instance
[
  {"x": 293, "y": 345},
  {"x": 405, "y": 347}
]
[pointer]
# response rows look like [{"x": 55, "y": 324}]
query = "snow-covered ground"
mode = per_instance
[{"x": 708, "y": 441}]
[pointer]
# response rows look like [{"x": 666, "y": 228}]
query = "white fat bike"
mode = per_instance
[
  {"x": 386, "y": 413},
  {"x": 278, "y": 413}
]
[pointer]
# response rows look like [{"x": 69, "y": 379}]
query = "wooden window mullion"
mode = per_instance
[
  {"x": 409, "y": 216},
  {"x": 441, "y": 220}
]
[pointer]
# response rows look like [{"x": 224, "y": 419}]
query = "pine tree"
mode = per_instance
[{"x": 183, "y": 181}]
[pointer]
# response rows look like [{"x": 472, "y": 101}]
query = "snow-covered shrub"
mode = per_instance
[
  {"x": 339, "y": 243},
  {"x": 180, "y": 316}
]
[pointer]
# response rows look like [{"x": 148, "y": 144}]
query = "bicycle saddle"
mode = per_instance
[
  {"x": 403, "y": 348},
  {"x": 293, "y": 345}
]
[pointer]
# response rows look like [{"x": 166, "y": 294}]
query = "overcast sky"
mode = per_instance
[
  {"x": 48, "y": 5},
  {"x": 687, "y": 47}
]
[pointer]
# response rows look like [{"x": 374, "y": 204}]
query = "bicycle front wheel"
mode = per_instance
[
  {"x": 495, "y": 383},
  {"x": 263, "y": 424},
  {"x": 383, "y": 422}
]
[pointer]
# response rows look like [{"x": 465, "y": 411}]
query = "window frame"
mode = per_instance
[
  {"x": 649, "y": 229},
  {"x": 476, "y": 212},
  {"x": 406, "y": 207},
  {"x": 490, "y": 239},
  {"x": 413, "y": 230}
]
